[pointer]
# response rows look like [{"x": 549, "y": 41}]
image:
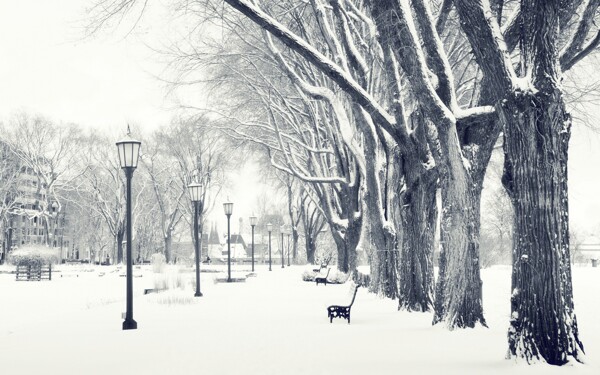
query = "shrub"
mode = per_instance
[
  {"x": 158, "y": 262},
  {"x": 34, "y": 255},
  {"x": 335, "y": 276},
  {"x": 170, "y": 279},
  {"x": 175, "y": 297}
]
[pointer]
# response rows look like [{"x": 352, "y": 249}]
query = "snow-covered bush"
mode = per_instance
[
  {"x": 34, "y": 255},
  {"x": 334, "y": 277},
  {"x": 159, "y": 262},
  {"x": 175, "y": 297},
  {"x": 170, "y": 278}
]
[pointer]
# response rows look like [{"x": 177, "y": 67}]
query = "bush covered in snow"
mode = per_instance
[
  {"x": 169, "y": 280},
  {"x": 159, "y": 262},
  {"x": 334, "y": 277},
  {"x": 34, "y": 255}
]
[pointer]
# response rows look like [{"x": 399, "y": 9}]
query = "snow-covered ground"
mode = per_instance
[{"x": 273, "y": 323}]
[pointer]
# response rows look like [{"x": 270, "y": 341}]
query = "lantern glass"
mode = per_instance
[
  {"x": 129, "y": 152},
  {"x": 252, "y": 220},
  {"x": 228, "y": 208},
  {"x": 195, "y": 190},
  {"x": 269, "y": 227}
]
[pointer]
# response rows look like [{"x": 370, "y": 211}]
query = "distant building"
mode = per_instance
[
  {"x": 212, "y": 246},
  {"x": 31, "y": 219},
  {"x": 590, "y": 249},
  {"x": 238, "y": 247}
]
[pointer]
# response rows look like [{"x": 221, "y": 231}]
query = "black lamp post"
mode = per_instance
[
  {"x": 228, "y": 208},
  {"x": 129, "y": 152},
  {"x": 282, "y": 229},
  {"x": 252, "y": 224},
  {"x": 269, "y": 229},
  {"x": 195, "y": 190}
]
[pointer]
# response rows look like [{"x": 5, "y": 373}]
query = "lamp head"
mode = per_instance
[
  {"x": 195, "y": 190},
  {"x": 129, "y": 152}
]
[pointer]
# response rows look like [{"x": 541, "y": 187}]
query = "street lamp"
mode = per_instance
[
  {"x": 281, "y": 230},
  {"x": 269, "y": 229},
  {"x": 228, "y": 208},
  {"x": 129, "y": 152},
  {"x": 195, "y": 190},
  {"x": 252, "y": 224}
]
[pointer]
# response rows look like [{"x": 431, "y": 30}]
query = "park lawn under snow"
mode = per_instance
[{"x": 273, "y": 323}]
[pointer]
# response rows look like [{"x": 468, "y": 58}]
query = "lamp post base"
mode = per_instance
[
  {"x": 198, "y": 294},
  {"x": 129, "y": 324}
]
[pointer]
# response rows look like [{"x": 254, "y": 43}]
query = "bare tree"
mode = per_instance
[{"x": 49, "y": 150}]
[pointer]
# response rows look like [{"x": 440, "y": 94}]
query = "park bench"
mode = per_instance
[
  {"x": 320, "y": 268},
  {"x": 337, "y": 311},
  {"x": 322, "y": 280},
  {"x": 34, "y": 272}
]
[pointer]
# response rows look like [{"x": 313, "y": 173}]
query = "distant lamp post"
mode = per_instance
[
  {"x": 195, "y": 190},
  {"x": 269, "y": 229},
  {"x": 282, "y": 229},
  {"x": 228, "y": 208},
  {"x": 129, "y": 152},
  {"x": 252, "y": 224}
]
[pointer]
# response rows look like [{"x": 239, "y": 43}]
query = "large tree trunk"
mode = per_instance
[
  {"x": 419, "y": 217},
  {"x": 459, "y": 287},
  {"x": 384, "y": 264},
  {"x": 376, "y": 216},
  {"x": 543, "y": 322},
  {"x": 168, "y": 248},
  {"x": 346, "y": 246},
  {"x": 537, "y": 129},
  {"x": 119, "y": 237},
  {"x": 295, "y": 237},
  {"x": 311, "y": 249}
]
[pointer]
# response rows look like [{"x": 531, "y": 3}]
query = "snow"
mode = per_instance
[{"x": 273, "y": 323}]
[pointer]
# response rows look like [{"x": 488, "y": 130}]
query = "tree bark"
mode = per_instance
[
  {"x": 543, "y": 324},
  {"x": 458, "y": 299},
  {"x": 346, "y": 246},
  {"x": 119, "y": 237},
  {"x": 419, "y": 217},
  {"x": 168, "y": 248},
  {"x": 311, "y": 248}
]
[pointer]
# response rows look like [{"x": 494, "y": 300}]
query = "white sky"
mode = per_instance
[{"x": 47, "y": 67}]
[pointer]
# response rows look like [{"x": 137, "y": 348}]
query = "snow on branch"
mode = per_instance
[
  {"x": 323, "y": 93},
  {"x": 328, "y": 67},
  {"x": 436, "y": 54},
  {"x": 576, "y": 45},
  {"x": 487, "y": 43}
]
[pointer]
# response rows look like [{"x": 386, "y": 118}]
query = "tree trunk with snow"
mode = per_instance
[
  {"x": 419, "y": 216},
  {"x": 376, "y": 216},
  {"x": 120, "y": 236},
  {"x": 346, "y": 243},
  {"x": 459, "y": 287},
  {"x": 311, "y": 249},
  {"x": 168, "y": 240},
  {"x": 543, "y": 324}
]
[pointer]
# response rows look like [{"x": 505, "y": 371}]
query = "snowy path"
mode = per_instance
[{"x": 271, "y": 324}]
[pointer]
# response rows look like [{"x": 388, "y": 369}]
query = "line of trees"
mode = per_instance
[
  {"x": 380, "y": 109},
  {"x": 79, "y": 176}
]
